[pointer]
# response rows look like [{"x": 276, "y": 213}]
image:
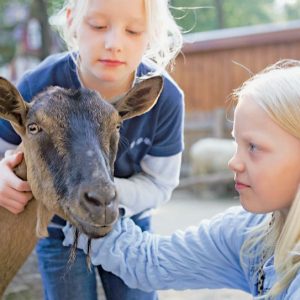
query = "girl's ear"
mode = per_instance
[{"x": 69, "y": 16}]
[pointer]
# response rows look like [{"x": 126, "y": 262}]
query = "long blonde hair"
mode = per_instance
[
  {"x": 165, "y": 38},
  {"x": 277, "y": 90}
]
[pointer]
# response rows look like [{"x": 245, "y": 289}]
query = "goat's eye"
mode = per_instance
[
  {"x": 33, "y": 128},
  {"x": 118, "y": 126}
]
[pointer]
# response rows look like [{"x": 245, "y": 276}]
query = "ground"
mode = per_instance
[{"x": 184, "y": 209}]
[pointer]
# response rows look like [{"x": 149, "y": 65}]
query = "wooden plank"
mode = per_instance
[{"x": 209, "y": 78}]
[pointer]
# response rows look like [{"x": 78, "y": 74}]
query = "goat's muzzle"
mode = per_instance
[{"x": 95, "y": 210}]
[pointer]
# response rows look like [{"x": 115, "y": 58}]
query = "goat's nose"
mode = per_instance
[{"x": 94, "y": 199}]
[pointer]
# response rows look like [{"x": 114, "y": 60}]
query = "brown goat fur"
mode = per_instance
[{"x": 69, "y": 140}]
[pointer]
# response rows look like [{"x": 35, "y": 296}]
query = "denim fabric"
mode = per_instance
[
  {"x": 116, "y": 289},
  {"x": 60, "y": 281},
  {"x": 63, "y": 281}
]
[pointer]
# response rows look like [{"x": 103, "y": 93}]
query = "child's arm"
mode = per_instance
[
  {"x": 160, "y": 167},
  {"x": 200, "y": 257},
  {"x": 293, "y": 290},
  {"x": 152, "y": 187}
]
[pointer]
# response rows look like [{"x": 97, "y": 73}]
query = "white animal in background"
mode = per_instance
[{"x": 211, "y": 155}]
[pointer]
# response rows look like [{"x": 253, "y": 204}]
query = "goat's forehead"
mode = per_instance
[{"x": 61, "y": 103}]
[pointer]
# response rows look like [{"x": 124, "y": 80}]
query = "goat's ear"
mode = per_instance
[
  {"x": 44, "y": 217},
  {"x": 140, "y": 99},
  {"x": 12, "y": 106}
]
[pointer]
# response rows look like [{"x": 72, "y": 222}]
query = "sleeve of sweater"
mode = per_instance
[
  {"x": 206, "y": 256},
  {"x": 293, "y": 290},
  {"x": 150, "y": 188}
]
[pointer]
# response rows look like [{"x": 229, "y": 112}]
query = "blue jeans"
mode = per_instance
[{"x": 63, "y": 282}]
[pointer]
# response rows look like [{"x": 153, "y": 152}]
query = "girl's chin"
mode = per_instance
[
  {"x": 108, "y": 78},
  {"x": 246, "y": 204}
]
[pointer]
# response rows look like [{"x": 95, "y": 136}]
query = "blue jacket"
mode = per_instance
[{"x": 207, "y": 256}]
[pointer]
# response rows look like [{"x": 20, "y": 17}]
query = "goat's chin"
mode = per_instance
[
  {"x": 91, "y": 230},
  {"x": 94, "y": 232},
  {"x": 101, "y": 232}
]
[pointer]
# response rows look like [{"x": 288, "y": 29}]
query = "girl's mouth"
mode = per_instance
[
  {"x": 111, "y": 62},
  {"x": 240, "y": 186}
]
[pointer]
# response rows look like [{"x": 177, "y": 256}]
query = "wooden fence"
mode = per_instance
[
  {"x": 211, "y": 64},
  {"x": 216, "y": 62}
]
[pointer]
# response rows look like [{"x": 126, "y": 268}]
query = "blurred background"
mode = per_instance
[
  {"x": 25, "y": 33},
  {"x": 225, "y": 42}
]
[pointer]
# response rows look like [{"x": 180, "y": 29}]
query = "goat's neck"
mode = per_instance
[{"x": 19, "y": 234}]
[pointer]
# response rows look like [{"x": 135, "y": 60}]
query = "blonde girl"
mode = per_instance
[
  {"x": 256, "y": 247},
  {"x": 112, "y": 44}
]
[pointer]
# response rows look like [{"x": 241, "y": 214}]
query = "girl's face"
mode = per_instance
[
  {"x": 112, "y": 38},
  {"x": 267, "y": 160}
]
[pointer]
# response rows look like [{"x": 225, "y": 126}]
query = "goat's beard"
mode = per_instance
[{"x": 72, "y": 256}]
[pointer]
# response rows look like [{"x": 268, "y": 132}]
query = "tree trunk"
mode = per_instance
[
  {"x": 220, "y": 13},
  {"x": 41, "y": 13}
]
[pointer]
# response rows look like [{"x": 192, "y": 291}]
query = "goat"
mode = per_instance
[{"x": 70, "y": 140}]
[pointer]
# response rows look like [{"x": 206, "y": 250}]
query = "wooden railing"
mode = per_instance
[{"x": 214, "y": 63}]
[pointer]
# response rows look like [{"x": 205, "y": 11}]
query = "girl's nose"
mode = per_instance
[
  {"x": 235, "y": 164},
  {"x": 113, "y": 40}
]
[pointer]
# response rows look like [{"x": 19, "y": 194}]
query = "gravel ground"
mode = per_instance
[{"x": 183, "y": 210}]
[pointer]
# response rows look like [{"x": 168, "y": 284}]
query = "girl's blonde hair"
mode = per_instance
[
  {"x": 277, "y": 90},
  {"x": 165, "y": 38}
]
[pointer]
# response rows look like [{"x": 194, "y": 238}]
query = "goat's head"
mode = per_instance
[{"x": 70, "y": 140}]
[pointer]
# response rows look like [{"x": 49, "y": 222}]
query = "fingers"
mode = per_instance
[
  {"x": 12, "y": 159},
  {"x": 17, "y": 183},
  {"x": 9, "y": 152},
  {"x": 7, "y": 176},
  {"x": 10, "y": 194},
  {"x": 14, "y": 192},
  {"x": 13, "y": 206},
  {"x": 13, "y": 200}
]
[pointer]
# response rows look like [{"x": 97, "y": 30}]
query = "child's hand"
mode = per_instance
[{"x": 14, "y": 192}]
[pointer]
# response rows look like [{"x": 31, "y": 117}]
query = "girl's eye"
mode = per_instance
[
  {"x": 97, "y": 27},
  {"x": 252, "y": 147},
  {"x": 33, "y": 128},
  {"x": 133, "y": 32}
]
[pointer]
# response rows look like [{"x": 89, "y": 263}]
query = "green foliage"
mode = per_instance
[
  {"x": 197, "y": 15},
  {"x": 245, "y": 13},
  {"x": 54, "y": 6},
  {"x": 7, "y": 42},
  {"x": 202, "y": 15},
  {"x": 191, "y": 15},
  {"x": 7, "y": 53},
  {"x": 292, "y": 10}
]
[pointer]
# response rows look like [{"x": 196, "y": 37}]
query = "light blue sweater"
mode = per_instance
[{"x": 207, "y": 256}]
